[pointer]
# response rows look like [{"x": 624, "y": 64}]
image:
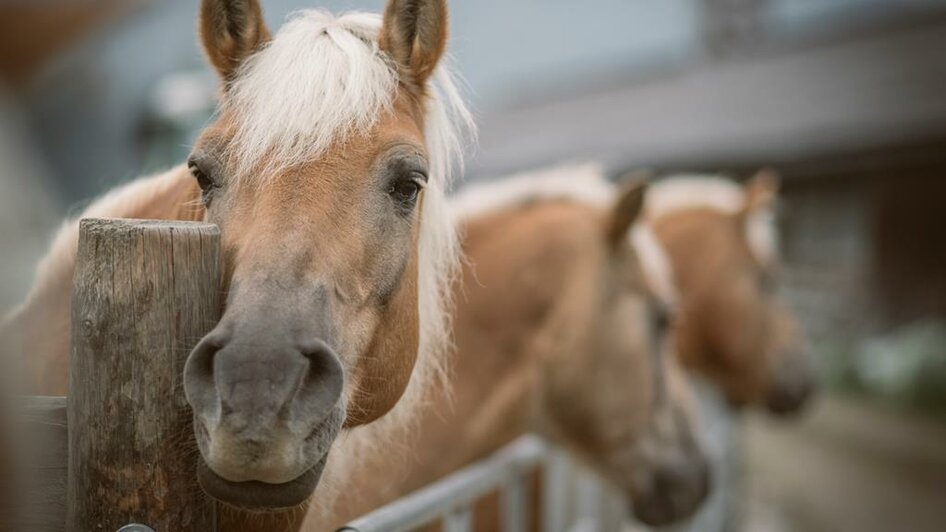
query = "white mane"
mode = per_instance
[
  {"x": 683, "y": 192},
  {"x": 658, "y": 272},
  {"x": 582, "y": 182},
  {"x": 321, "y": 79}
]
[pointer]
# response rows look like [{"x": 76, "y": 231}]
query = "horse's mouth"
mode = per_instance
[
  {"x": 673, "y": 494},
  {"x": 260, "y": 496},
  {"x": 664, "y": 510}
]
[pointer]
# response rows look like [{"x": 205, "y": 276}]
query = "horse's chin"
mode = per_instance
[{"x": 255, "y": 496}]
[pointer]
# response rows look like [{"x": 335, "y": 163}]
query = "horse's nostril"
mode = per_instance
[
  {"x": 323, "y": 383},
  {"x": 198, "y": 376}
]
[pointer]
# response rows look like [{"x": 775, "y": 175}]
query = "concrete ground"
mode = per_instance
[{"x": 845, "y": 466}]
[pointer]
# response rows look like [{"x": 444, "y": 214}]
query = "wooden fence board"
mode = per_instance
[{"x": 145, "y": 293}]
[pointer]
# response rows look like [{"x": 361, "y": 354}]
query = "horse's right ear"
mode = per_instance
[
  {"x": 414, "y": 34},
  {"x": 762, "y": 191},
  {"x": 626, "y": 210},
  {"x": 231, "y": 30}
]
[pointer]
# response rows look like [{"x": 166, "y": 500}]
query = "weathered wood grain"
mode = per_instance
[{"x": 145, "y": 293}]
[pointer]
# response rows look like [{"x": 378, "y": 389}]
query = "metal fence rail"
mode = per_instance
[
  {"x": 450, "y": 500},
  {"x": 572, "y": 499}
]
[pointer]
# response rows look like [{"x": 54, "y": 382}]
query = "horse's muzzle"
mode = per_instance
[
  {"x": 266, "y": 411},
  {"x": 675, "y": 493},
  {"x": 791, "y": 390}
]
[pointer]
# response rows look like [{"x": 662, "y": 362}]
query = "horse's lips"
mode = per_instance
[{"x": 260, "y": 496}]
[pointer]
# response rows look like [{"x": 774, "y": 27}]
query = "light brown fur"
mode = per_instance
[
  {"x": 40, "y": 327},
  {"x": 329, "y": 231},
  {"x": 733, "y": 327},
  {"x": 263, "y": 220},
  {"x": 553, "y": 335}
]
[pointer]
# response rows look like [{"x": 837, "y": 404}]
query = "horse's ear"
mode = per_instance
[
  {"x": 761, "y": 191},
  {"x": 230, "y": 31},
  {"x": 414, "y": 34},
  {"x": 626, "y": 210}
]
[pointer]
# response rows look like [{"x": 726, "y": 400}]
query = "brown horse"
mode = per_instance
[
  {"x": 325, "y": 168},
  {"x": 733, "y": 328},
  {"x": 560, "y": 331}
]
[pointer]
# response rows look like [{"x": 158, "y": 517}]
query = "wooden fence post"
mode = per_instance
[{"x": 145, "y": 293}]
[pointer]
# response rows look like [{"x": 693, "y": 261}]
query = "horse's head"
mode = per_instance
[
  {"x": 733, "y": 329},
  {"x": 630, "y": 412},
  {"x": 325, "y": 169}
]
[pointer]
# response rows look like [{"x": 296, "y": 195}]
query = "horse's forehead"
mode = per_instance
[
  {"x": 689, "y": 196},
  {"x": 708, "y": 236},
  {"x": 344, "y": 167}
]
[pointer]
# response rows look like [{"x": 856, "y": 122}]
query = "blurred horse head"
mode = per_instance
[
  {"x": 570, "y": 276},
  {"x": 733, "y": 327}
]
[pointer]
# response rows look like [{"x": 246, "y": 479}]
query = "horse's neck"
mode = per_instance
[
  {"x": 495, "y": 377},
  {"x": 518, "y": 269},
  {"x": 40, "y": 328}
]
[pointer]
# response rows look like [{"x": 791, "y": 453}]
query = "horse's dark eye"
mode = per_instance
[
  {"x": 663, "y": 318},
  {"x": 204, "y": 181},
  {"x": 405, "y": 190}
]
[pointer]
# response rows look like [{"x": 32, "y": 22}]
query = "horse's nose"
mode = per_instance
[
  {"x": 790, "y": 390},
  {"x": 676, "y": 491},
  {"x": 241, "y": 384},
  {"x": 257, "y": 399}
]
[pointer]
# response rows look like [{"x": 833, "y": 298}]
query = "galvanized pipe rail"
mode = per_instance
[{"x": 450, "y": 500}]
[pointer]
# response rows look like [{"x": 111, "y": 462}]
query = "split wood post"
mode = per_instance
[{"x": 145, "y": 293}]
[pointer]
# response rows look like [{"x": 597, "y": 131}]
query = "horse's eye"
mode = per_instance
[
  {"x": 663, "y": 318},
  {"x": 203, "y": 180},
  {"x": 405, "y": 189}
]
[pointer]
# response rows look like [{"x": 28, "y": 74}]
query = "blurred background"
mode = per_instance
[{"x": 846, "y": 98}]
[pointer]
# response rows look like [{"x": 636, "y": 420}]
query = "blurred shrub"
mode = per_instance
[{"x": 905, "y": 367}]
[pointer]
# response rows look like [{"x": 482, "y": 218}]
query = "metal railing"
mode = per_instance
[{"x": 572, "y": 500}]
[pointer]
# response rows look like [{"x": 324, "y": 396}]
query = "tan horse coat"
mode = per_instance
[
  {"x": 734, "y": 327},
  {"x": 532, "y": 303}
]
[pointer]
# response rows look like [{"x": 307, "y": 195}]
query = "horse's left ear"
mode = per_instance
[
  {"x": 762, "y": 191},
  {"x": 414, "y": 34},
  {"x": 626, "y": 210}
]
